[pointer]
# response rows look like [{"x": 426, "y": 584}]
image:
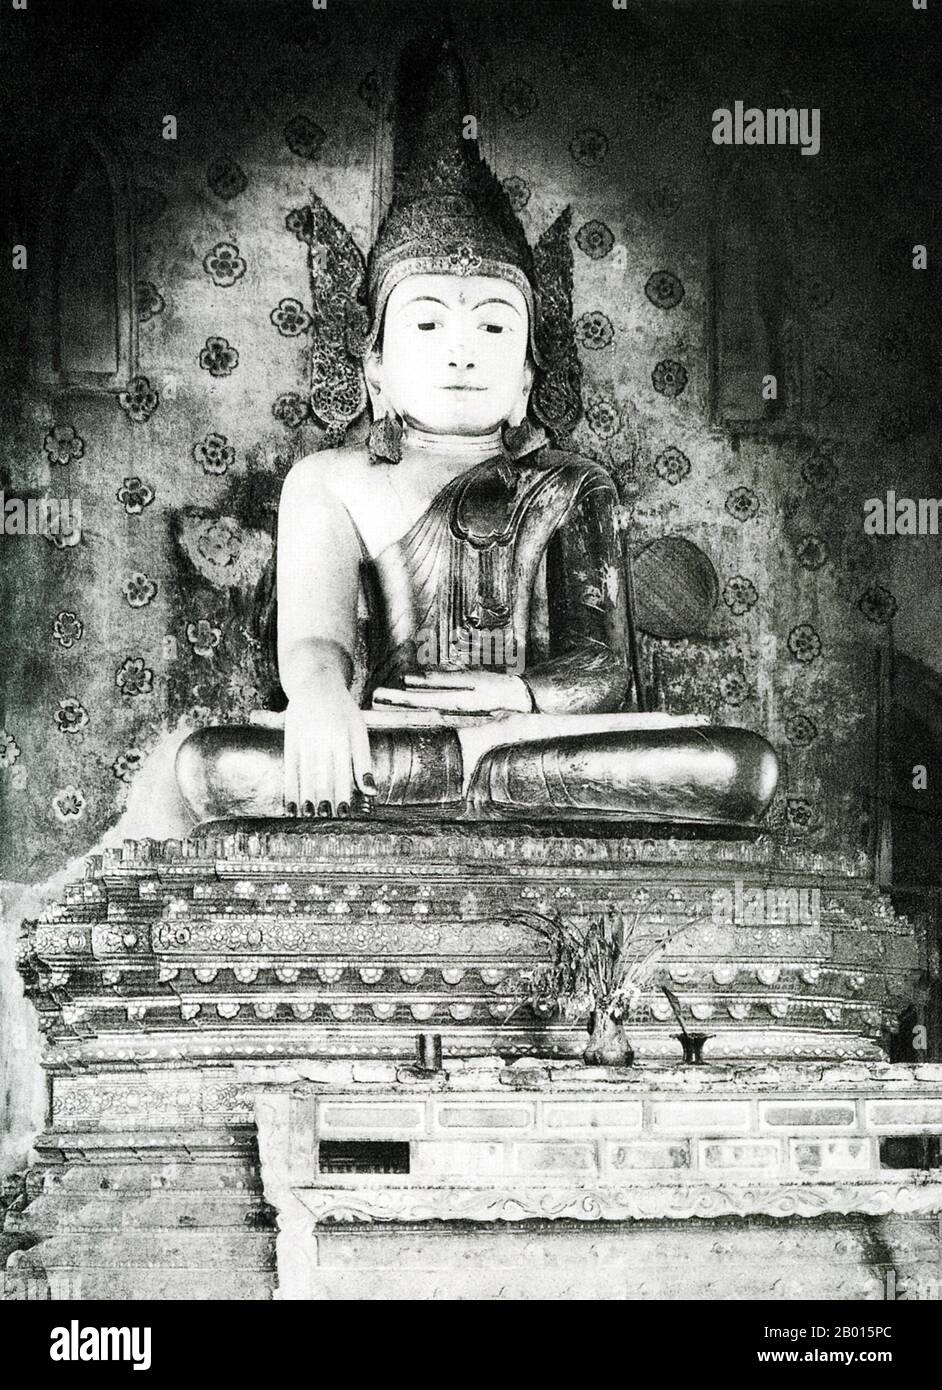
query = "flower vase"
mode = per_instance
[{"x": 608, "y": 1046}]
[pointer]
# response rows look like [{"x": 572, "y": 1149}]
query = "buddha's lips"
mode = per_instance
[{"x": 462, "y": 388}]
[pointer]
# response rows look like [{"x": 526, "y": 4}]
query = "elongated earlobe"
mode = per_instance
[
  {"x": 520, "y": 413},
  {"x": 372, "y": 372},
  {"x": 384, "y": 440},
  {"x": 522, "y": 438}
]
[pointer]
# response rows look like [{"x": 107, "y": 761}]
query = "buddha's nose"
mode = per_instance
[{"x": 459, "y": 362}]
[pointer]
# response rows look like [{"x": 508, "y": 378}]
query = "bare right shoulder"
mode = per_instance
[{"x": 337, "y": 473}]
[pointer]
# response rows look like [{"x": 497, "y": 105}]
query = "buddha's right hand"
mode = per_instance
[{"x": 327, "y": 751}]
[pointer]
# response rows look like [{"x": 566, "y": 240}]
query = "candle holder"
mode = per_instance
[
  {"x": 428, "y": 1052},
  {"x": 692, "y": 1043}
]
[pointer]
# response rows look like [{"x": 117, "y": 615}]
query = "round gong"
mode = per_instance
[{"x": 675, "y": 588}]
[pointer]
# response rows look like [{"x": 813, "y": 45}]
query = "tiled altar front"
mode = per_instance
[
  {"x": 263, "y": 988},
  {"x": 570, "y": 1182}
]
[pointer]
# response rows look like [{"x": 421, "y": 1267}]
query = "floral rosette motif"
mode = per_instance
[
  {"x": 150, "y": 302},
  {"x": 138, "y": 590},
  {"x": 69, "y": 804},
  {"x": 291, "y": 318},
  {"x": 811, "y": 552},
  {"x": 9, "y": 749},
  {"x": 71, "y": 716},
  {"x": 226, "y": 179},
  {"x": 220, "y": 541},
  {"x": 219, "y": 357},
  {"x": 664, "y": 199},
  {"x": 214, "y": 454},
  {"x": 672, "y": 464},
  {"x": 740, "y": 594},
  {"x": 224, "y": 264},
  {"x": 139, "y": 400},
  {"x": 370, "y": 90},
  {"x": 518, "y": 99},
  {"x": 877, "y": 604},
  {"x": 127, "y": 764},
  {"x": 664, "y": 289},
  {"x": 804, "y": 643},
  {"x": 669, "y": 378},
  {"x": 203, "y": 636},
  {"x": 594, "y": 330},
  {"x": 588, "y": 147},
  {"x": 734, "y": 689},
  {"x": 518, "y": 191},
  {"x": 68, "y": 628},
  {"x": 595, "y": 239},
  {"x": 63, "y": 445},
  {"x": 304, "y": 137},
  {"x": 799, "y": 813},
  {"x": 602, "y": 418},
  {"x": 290, "y": 409},
  {"x": 800, "y": 730},
  {"x": 819, "y": 293},
  {"x": 134, "y": 495},
  {"x": 742, "y": 503},
  {"x": 820, "y": 470},
  {"x": 133, "y": 678}
]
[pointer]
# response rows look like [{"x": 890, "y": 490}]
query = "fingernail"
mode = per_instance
[
  {"x": 291, "y": 808},
  {"x": 343, "y": 809},
  {"x": 323, "y": 809},
  {"x": 308, "y": 808},
  {"x": 368, "y": 782}
]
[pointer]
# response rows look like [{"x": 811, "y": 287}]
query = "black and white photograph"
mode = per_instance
[{"x": 471, "y": 682}]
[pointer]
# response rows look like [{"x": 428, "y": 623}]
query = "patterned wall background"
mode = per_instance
[{"x": 110, "y": 642}]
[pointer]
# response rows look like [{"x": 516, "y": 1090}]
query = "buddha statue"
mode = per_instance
[{"x": 498, "y": 678}]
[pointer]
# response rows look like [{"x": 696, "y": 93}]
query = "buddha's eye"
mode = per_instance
[
  {"x": 426, "y": 327},
  {"x": 493, "y": 328}
]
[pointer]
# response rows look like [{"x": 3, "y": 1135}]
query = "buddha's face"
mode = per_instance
[{"x": 454, "y": 354}]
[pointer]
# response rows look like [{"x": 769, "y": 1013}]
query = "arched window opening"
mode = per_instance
[
  {"x": 85, "y": 327},
  {"x": 88, "y": 309},
  {"x": 755, "y": 371}
]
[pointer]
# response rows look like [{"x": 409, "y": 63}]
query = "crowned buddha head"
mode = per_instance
[{"x": 454, "y": 325}]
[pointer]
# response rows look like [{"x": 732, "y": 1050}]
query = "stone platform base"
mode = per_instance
[
  {"x": 233, "y": 1114},
  {"x": 567, "y": 1182},
  {"x": 371, "y": 1180},
  {"x": 721, "y": 1259},
  {"x": 126, "y": 1215}
]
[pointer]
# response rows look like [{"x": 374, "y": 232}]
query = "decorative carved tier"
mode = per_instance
[{"x": 297, "y": 940}]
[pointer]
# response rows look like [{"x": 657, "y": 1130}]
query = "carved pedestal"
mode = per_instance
[{"x": 176, "y": 977}]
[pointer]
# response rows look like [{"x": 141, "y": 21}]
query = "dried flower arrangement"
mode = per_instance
[{"x": 597, "y": 973}]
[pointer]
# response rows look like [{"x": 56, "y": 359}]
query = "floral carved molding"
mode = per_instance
[{"x": 621, "y": 1203}]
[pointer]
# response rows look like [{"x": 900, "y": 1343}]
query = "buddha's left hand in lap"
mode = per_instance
[{"x": 458, "y": 692}]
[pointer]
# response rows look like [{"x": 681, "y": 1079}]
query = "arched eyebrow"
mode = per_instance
[
  {"x": 425, "y": 299},
  {"x": 506, "y": 302}
]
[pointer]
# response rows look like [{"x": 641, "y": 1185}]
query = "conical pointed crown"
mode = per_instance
[{"x": 449, "y": 213}]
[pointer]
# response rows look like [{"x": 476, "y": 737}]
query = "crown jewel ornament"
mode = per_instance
[{"x": 449, "y": 214}]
